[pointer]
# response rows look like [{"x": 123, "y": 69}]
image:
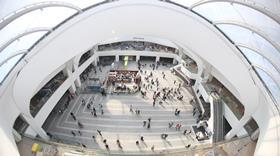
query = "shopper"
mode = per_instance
[
  {"x": 99, "y": 132},
  {"x": 144, "y": 123},
  {"x": 73, "y": 133},
  {"x": 142, "y": 138}
]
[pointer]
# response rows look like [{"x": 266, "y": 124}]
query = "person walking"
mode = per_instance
[
  {"x": 80, "y": 133},
  {"x": 149, "y": 119},
  {"x": 142, "y": 138},
  {"x": 178, "y": 112},
  {"x": 144, "y": 123},
  {"x": 177, "y": 126},
  {"x": 119, "y": 144},
  {"x": 149, "y": 125},
  {"x": 107, "y": 146},
  {"x": 164, "y": 136},
  {"x": 185, "y": 132},
  {"x": 170, "y": 124},
  {"x": 74, "y": 117},
  {"x": 99, "y": 132},
  {"x": 72, "y": 114},
  {"x": 83, "y": 102},
  {"x": 137, "y": 143},
  {"x": 153, "y": 148},
  {"x": 80, "y": 124},
  {"x": 73, "y": 133}
]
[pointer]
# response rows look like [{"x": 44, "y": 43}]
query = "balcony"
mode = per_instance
[
  {"x": 137, "y": 46},
  {"x": 226, "y": 96},
  {"x": 42, "y": 96},
  {"x": 85, "y": 57},
  {"x": 189, "y": 64}
]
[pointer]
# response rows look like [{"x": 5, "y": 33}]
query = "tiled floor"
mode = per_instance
[{"x": 118, "y": 122}]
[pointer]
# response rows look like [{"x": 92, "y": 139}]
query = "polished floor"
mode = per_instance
[{"x": 118, "y": 122}]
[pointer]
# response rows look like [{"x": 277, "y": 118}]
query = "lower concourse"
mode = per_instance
[{"x": 118, "y": 122}]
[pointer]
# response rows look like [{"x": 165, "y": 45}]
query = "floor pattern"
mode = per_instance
[{"x": 118, "y": 122}]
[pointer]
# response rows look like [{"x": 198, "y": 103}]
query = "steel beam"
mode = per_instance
[
  {"x": 25, "y": 51},
  {"x": 270, "y": 58},
  {"x": 27, "y": 32},
  {"x": 252, "y": 5},
  {"x": 251, "y": 28},
  {"x": 20, "y": 12}
]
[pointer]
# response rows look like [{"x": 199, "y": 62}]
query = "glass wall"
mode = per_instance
[
  {"x": 106, "y": 60},
  {"x": 138, "y": 46},
  {"x": 85, "y": 57},
  {"x": 226, "y": 96},
  {"x": 42, "y": 96},
  {"x": 86, "y": 73},
  {"x": 20, "y": 125},
  {"x": 189, "y": 63}
]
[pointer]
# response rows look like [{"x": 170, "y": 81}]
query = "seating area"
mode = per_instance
[{"x": 138, "y": 46}]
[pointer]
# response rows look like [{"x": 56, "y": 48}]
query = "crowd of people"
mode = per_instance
[{"x": 160, "y": 94}]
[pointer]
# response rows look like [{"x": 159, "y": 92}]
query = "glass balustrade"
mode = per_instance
[{"x": 42, "y": 96}]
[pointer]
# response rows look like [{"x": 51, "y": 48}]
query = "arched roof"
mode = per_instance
[{"x": 253, "y": 7}]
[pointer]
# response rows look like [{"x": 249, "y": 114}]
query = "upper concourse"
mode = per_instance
[{"x": 244, "y": 74}]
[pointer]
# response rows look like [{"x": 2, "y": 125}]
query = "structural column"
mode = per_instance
[
  {"x": 237, "y": 129},
  {"x": 174, "y": 61},
  {"x": 95, "y": 60},
  {"x": 17, "y": 136},
  {"x": 117, "y": 59},
  {"x": 35, "y": 128},
  {"x": 69, "y": 74},
  {"x": 137, "y": 58},
  {"x": 78, "y": 82},
  {"x": 157, "y": 58}
]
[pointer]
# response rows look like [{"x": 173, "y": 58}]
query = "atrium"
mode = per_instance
[{"x": 140, "y": 77}]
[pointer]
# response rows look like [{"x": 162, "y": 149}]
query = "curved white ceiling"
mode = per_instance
[
  {"x": 213, "y": 10},
  {"x": 136, "y": 18}
]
